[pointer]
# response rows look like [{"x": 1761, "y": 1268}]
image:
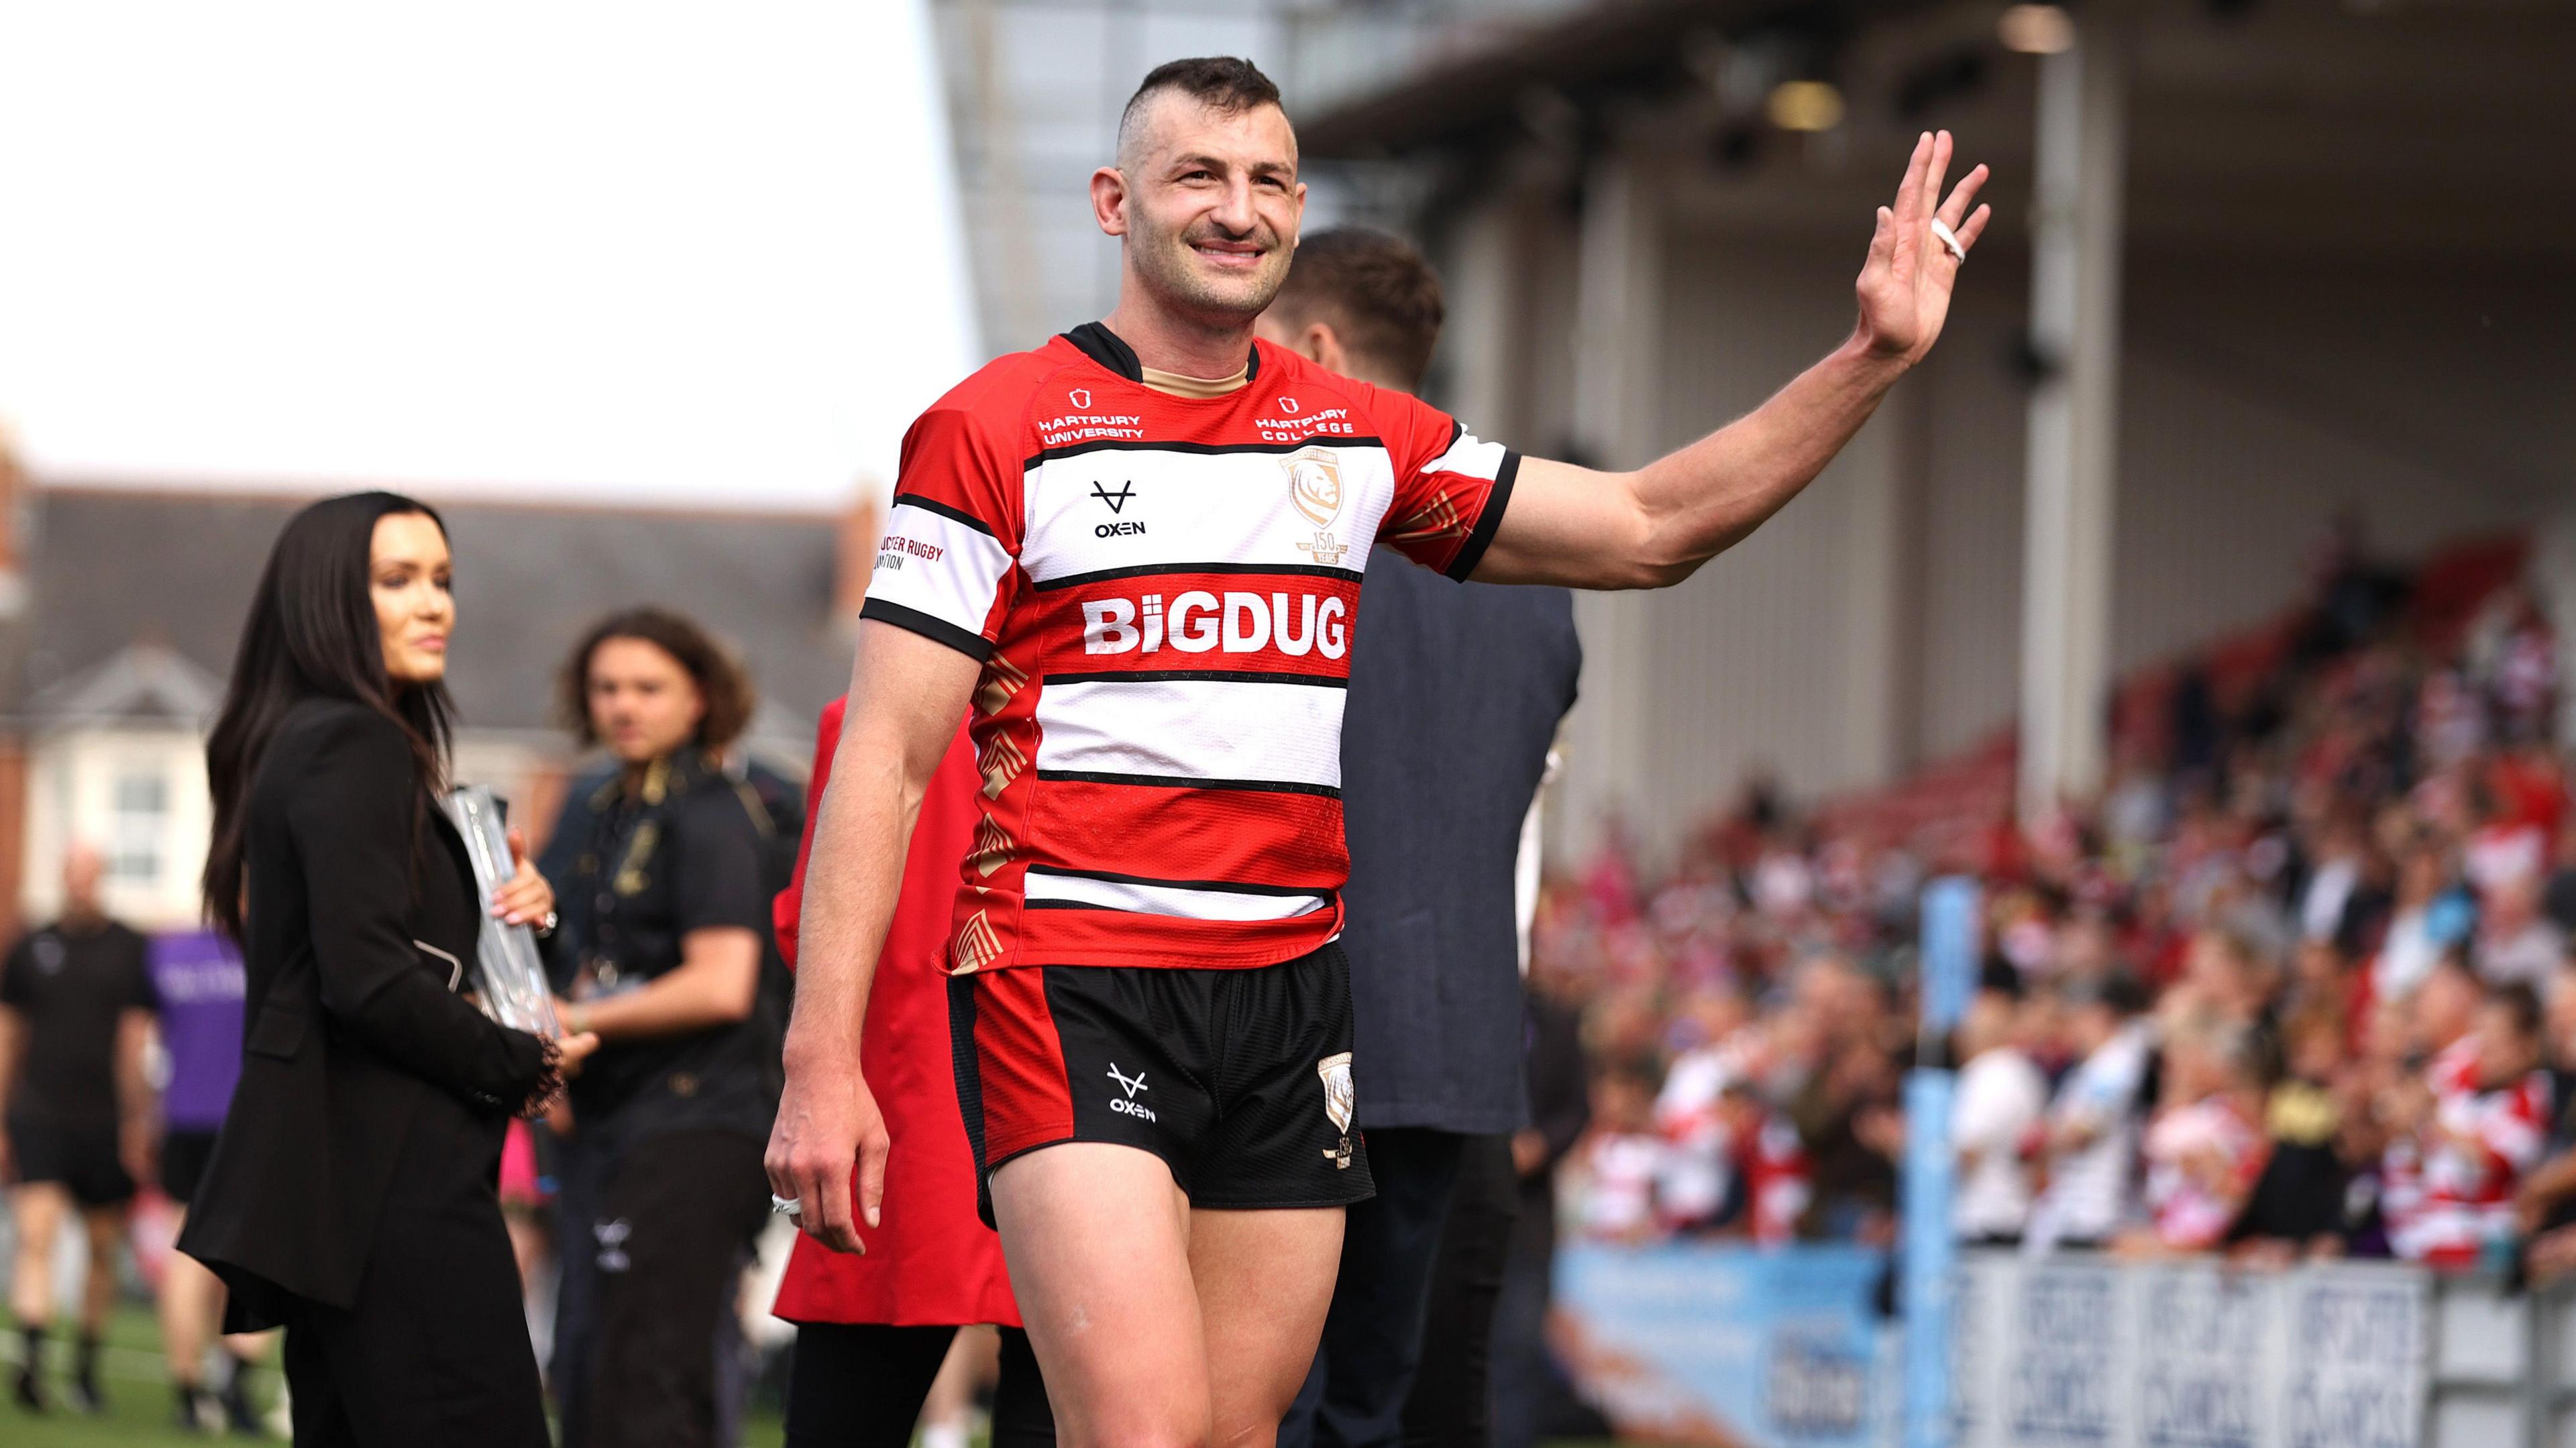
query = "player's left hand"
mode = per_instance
[
  {"x": 1904, "y": 287},
  {"x": 525, "y": 898}
]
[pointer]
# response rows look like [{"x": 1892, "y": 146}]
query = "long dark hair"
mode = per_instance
[{"x": 312, "y": 631}]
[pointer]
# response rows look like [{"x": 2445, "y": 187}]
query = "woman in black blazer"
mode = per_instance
[{"x": 351, "y": 1195}]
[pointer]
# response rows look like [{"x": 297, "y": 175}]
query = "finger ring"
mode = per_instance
[
  {"x": 1949, "y": 238},
  {"x": 786, "y": 1206}
]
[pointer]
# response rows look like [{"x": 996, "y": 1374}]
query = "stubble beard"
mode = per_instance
[{"x": 1168, "y": 267}]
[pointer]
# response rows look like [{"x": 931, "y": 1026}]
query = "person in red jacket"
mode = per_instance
[{"x": 872, "y": 1329}]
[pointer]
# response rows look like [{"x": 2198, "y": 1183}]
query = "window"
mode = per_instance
[{"x": 137, "y": 827}]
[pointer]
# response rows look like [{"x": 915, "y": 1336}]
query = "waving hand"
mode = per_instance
[{"x": 1904, "y": 287}]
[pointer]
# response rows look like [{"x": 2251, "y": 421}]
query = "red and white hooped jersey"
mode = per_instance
[{"x": 1161, "y": 587}]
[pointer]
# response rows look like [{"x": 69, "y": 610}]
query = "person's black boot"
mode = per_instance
[
  {"x": 239, "y": 1416},
  {"x": 85, "y": 1394},
  {"x": 30, "y": 1387}
]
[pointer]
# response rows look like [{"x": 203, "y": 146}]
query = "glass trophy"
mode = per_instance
[{"x": 509, "y": 978}]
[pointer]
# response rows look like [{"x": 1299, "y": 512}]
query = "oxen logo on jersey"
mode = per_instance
[
  {"x": 1340, "y": 1097},
  {"x": 1117, "y": 501},
  {"x": 1315, "y": 487},
  {"x": 1079, "y": 397}
]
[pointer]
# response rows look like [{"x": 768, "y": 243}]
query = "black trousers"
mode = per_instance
[
  {"x": 1364, "y": 1369},
  {"x": 434, "y": 1351},
  {"x": 1453, "y": 1388},
  {"x": 649, "y": 1273},
  {"x": 862, "y": 1386}
]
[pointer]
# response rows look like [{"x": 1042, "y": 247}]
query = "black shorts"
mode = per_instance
[
  {"x": 80, "y": 1157},
  {"x": 1240, "y": 1080},
  {"x": 184, "y": 1155}
]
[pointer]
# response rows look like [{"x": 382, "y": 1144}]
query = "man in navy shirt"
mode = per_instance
[{"x": 1455, "y": 694}]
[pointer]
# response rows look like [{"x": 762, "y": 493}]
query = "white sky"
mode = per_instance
[{"x": 702, "y": 255}]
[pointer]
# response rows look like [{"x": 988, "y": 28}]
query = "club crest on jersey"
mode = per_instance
[
  {"x": 1079, "y": 397},
  {"x": 1315, "y": 487}
]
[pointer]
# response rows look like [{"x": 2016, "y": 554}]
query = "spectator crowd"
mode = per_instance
[{"x": 2297, "y": 983}]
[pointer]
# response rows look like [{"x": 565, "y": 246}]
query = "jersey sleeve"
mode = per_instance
[
  {"x": 945, "y": 566},
  {"x": 1450, "y": 486}
]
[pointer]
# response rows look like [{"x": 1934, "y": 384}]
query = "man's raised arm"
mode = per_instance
[
  {"x": 907, "y": 693},
  {"x": 1657, "y": 525}
]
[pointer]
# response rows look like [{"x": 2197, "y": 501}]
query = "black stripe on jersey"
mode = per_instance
[
  {"x": 929, "y": 626},
  {"x": 1230, "y": 887},
  {"x": 1472, "y": 552},
  {"x": 1204, "y": 449},
  {"x": 1186, "y": 676},
  {"x": 1175, "y": 781},
  {"x": 933, "y": 505},
  {"x": 1147, "y": 570}
]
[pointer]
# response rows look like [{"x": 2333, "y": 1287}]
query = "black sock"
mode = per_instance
[
  {"x": 34, "y": 1354},
  {"x": 85, "y": 1365}
]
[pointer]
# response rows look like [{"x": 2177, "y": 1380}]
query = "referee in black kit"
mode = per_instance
[
  {"x": 1455, "y": 695},
  {"x": 661, "y": 876}
]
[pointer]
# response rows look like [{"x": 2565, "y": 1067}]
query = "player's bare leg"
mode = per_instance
[
  {"x": 1098, "y": 1241},
  {"x": 1265, "y": 1281},
  {"x": 40, "y": 1208},
  {"x": 105, "y": 1228}
]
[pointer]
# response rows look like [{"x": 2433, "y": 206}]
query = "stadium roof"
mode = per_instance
[{"x": 2387, "y": 124}]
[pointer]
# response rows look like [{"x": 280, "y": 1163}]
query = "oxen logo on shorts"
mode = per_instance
[
  {"x": 1339, "y": 1099},
  {"x": 1128, "y": 1105}
]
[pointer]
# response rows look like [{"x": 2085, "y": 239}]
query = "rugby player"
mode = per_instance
[{"x": 1134, "y": 551}]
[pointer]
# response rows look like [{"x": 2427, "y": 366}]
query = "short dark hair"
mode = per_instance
[
  {"x": 1374, "y": 289},
  {"x": 1222, "y": 83},
  {"x": 721, "y": 681}
]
